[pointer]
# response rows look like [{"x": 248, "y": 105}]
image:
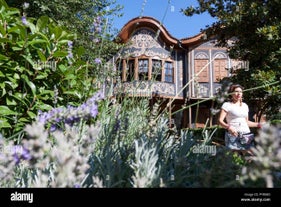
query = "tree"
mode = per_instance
[
  {"x": 255, "y": 28},
  {"x": 91, "y": 20}
]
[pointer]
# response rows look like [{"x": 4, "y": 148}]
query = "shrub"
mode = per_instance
[{"x": 39, "y": 69}]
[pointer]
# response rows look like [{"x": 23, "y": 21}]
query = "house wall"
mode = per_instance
[{"x": 207, "y": 66}]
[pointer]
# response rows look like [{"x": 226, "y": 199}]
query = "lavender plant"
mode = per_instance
[
  {"x": 120, "y": 150},
  {"x": 61, "y": 116},
  {"x": 265, "y": 167}
]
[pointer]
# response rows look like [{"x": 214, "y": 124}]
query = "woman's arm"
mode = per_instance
[
  {"x": 253, "y": 124},
  {"x": 222, "y": 116},
  {"x": 230, "y": 129}
]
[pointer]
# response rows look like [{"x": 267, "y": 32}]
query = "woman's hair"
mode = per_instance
[{"x": 232, "y": 89}]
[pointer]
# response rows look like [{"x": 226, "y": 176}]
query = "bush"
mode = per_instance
[{"x": 39, "y": 69}]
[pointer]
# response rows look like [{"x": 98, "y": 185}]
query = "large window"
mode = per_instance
[
  {"x": 145, "y": 68},
  {"x": 169, "y": 72},
  {"x": 219, "y": 69}
]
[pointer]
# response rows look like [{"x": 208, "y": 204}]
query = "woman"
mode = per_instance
[{"x": 234, "y": 118}]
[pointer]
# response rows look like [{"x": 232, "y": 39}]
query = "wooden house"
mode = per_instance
[{"x": 181, "y": 72}]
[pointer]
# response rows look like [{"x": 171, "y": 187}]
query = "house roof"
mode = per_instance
[{"x": 146, "y": 21}]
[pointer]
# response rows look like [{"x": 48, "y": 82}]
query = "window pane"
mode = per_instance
[
  {"x": 156, "y": 70},
  {"x": 169, "y": 72},
  {"x": 143, "y": 69},
  {"x": 130, "y": 70},
  {"x": 143, "y": 66},
  {"x": 168, "y": 79}
]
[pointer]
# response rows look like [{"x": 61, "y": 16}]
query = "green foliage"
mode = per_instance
[
  {"x": 266, "y": 98},
  {"x": 39, "y": 69},
  {"x": 254, "y": 27},
  {"x": 90, "y": 20}
]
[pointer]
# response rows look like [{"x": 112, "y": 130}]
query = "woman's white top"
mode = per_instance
[{"x": 237, "y": 116}]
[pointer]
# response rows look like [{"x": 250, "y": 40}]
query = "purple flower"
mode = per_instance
[
  {"x": 16, "y": 158},
  {"x": 25, "y": 154},
  {"x": 69, "y": 115},
  {"x": 53, "y": 127},
  {"x": 23, "y": 20},
  {"x": 70, "y": 44},
  {"x": 20, "y": 153},
  {"x": 70, "y": 54},
  {"x": 94, "y": 111},
  {"x": 98, "y": 61}
]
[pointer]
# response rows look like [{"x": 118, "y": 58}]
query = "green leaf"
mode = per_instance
[
  {"x": 32, "y": 27},
  {"x": 16, "y": 76},
  {"x": 30, "y": 60},
  {"x": 62, "y": 68},
  {"x": 45, "y": 107},
  {"x": 17, "y": 48},
  {"x": 74, "y": 93},
  {"x": 22, "y": 119},
  {"x": 41, "y": 55},
  {"x": 5, "y": 40},
  {"x": 3, "y": 57},
  {"x": 30, "y": 84},
  {"x": 11, "y": 84},
  {"x": 20, "y": 98},
  {"x": 42, "y": 23},
  {"x": 31, "y": 114},
  {"x": 11, "y": 102},
  {"x": 14, "y": 29},
  {"x": 4, "y": 123},
  {"x": 1, "y": 74},
  {"x": 3, "y": 91},
  {"x": 60, "y": 54},
  {"x": 41, "y": 76},
  {"x": 37, "y": 41},
  {"x": 4, "y": 110},
  {"x": 44, "y": 37}
]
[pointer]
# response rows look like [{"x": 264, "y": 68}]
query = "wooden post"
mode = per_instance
[{"x": 170, "y": 114}]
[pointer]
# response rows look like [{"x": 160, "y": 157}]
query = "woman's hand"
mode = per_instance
[{"x": 233, "y": 131}]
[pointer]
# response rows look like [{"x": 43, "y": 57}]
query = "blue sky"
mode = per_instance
[{"x": 177, "y": 24}]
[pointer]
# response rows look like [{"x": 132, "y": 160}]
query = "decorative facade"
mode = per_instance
[{"x": 181, "y": 72}]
